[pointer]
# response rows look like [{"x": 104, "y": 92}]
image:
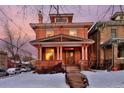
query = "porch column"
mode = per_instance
[
  {"x": 82, "y": 52},
  {"x": 114, "y": 53},
  {"x": 41, "y": 53},
  {"x": 38, "y": 50},
  {"x": 57, "y": 53},
  {"x": 86, "y": 52},
  {"x": 60, "y": 52}
]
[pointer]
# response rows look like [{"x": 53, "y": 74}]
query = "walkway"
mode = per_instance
[{"x": 74, "y": 78}]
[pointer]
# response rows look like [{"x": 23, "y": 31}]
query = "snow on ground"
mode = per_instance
[
  {"x": 104, "y": 79},
  {"x": 30, "y": 80}
]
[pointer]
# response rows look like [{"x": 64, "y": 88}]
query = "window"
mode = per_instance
[
  {"x": 121, "y": 17},
  {"x": 49, "y": 54},
  {"x": 61, "y": 20},
  {"x": 113, "y": 32},
  {"x": 73, "y": 32},
  {"x": 49, "y": 32},
  {"x": 121, "y": 50}
]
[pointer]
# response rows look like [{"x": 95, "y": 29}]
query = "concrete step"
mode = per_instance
[{"x": 70, "y": 69}]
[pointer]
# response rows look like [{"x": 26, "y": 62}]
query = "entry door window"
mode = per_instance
[{"x": 49, "y": 54}]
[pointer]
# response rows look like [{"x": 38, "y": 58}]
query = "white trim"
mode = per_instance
[
  {"x": 60, "y": 52},
  {"x": 54, "y": 45},
  {"x": 82, "y": 53},
  {"x": 91, "y": 27},
  {"x": 62, "y": 43}
]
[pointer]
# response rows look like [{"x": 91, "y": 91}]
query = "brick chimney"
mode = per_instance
[{"x": 40, "y": 17}]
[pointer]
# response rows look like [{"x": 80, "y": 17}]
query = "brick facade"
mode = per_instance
[
  {"x": 109, "y": 39},
  {"x": 68, "y": 49}
]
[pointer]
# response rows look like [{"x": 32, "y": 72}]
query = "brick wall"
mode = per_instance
[{"x": 81, "y": 32}]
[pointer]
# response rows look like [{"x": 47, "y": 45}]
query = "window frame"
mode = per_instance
[
  {"x": 73, "y": 30},
  {"x": 61, "y": 21},
  {"x": 121, "y": 51},
  {"x": 46, "y": 49},
  {"x": 50, "y": 30},
  {"x": 113, "y": 32}
]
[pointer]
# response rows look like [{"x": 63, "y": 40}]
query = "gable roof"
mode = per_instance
[
  {"x": 62, "y": 38},
  {"x": 116, "y": 14}
]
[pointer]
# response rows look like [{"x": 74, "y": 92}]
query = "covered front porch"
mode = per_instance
[
  {"x": 114, "y": 53},
  {"x": 69, "y": 51}
]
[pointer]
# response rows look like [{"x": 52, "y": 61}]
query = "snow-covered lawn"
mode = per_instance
[
  {"x": 30, "y": 80},
  {"x": 104, "y": 79}
]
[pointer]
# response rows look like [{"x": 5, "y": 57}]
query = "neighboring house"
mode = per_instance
[
  {"x": 3, "y": 59},
  {"x": 108, "y": 50},
  {"x": 61, "y": 40}
]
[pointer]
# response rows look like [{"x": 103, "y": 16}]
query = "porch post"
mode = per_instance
[
  {"x": 115, "y": 52},
  {"x": 41, "y": 53},
  {"x": 60, "y": 52},
  {"x": 82, "y": 52},
  {"x": 57, "y": 53},
  {"x": 86, "y": 52}
]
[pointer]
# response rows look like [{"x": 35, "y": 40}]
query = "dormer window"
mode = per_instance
[
  {"x": 118, "y": 16},
  {"x": 121, "y": 17},
  {"x": 61, "y": 20}
]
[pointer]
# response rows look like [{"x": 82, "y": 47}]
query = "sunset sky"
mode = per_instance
[{"x": 19, "y": 17}]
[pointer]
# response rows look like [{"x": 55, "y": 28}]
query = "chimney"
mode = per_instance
[{"x": 40, "y": 17}]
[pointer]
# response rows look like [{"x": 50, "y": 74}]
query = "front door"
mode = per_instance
[{"x": 70, "y": 57}]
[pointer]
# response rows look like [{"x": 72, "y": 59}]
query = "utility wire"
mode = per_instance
[
  {"x": 112, "y": 10},
  {"x": 62, "y": 8},
  {"x": 121, "y": 8},
  {"x": 11, "y": 20},
  {"x": 106, "y": 12}
]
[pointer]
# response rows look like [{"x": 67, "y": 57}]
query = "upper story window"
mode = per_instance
[
  {"x": 73, "y": 32},
  {"x": 49, "y": 32},
  {"x": 121, "y": 17},
  {"x": 61, "y": 20},
  {"x": 113, "y": 32}
]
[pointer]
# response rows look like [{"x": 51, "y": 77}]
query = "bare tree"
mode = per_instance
[{"x": 15, "y": 41}]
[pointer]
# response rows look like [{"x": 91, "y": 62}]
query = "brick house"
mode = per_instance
[
  {"x": 61, "y": 40},
  {"x": 108, "y": 50}
]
